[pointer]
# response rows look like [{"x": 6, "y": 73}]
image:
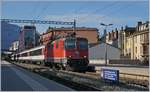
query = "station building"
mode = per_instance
[{"x": 90, "y": 33}]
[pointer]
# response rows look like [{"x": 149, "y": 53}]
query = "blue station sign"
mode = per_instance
[{"x": 110, "y": 74}]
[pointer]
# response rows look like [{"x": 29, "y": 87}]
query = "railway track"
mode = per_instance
[
  {"x": 133, "y": 79},
  {"x": 55, "y": 75},
  {"x": 88, "y": 79}
]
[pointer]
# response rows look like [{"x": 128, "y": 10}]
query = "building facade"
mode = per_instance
[
  {"x": 136, "y": 42},
  {"x": 113, "y": 38},
  {"x": 98, "y": 52},
  {"x": 28, "y": 38},
  {"x": 15, "y": 46},
  {"x": 90, "y": 33},
  {"x": 9, "y": 34}
]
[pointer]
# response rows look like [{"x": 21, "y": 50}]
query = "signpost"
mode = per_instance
[{"x": 110, "y": 75}]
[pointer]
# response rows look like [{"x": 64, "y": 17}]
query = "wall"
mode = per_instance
[
  {"x": 98, "y": 52},
  {"x": 97, "y": 61}
]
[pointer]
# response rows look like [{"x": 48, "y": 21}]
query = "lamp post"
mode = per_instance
[{"x": 105, "y": 32}]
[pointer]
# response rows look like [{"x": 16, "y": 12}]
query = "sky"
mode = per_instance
[{"x": 86, "y": 13}]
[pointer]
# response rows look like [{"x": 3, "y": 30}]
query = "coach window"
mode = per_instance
[
  {"x": 17, "y": 55},
  {"x": 24, "y": 54},
  {"x": 31, "y": 53},
  {"x": 38, "y": 52}
]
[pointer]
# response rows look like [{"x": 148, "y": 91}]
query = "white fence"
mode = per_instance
[{"x": 98, "y": 61}]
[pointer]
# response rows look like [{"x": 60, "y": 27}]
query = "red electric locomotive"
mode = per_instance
[{"x": 69, "y": 53}]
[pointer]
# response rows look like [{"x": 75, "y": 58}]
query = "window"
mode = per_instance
[
  {"x": 147, "y": 25},
  {"x": 83, "y": 44},
  {"x": 146, "y": 37},
  {"x": 135, "y": 49},
  {"x": 145, "y": 49},
  {"x": 17, "y": 55},
  {"x": 36, "y": 52},
  {"x": 70, "y": 43},
  {"x": 129, "y": 50},
  {"x": 135, "y": 39},
  {"x": 29, "y": 27},
  {"x": 141, "y": 38},
  {"x": 24, "y": 54}
]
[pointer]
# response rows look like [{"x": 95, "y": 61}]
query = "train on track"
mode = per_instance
[{"x": 69, "y": 53}]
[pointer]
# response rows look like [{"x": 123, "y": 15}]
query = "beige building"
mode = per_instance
[{"x": 136, "y": 42}]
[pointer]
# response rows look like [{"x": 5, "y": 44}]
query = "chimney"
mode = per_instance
[
  {"x": 121, "y": 28},
  {"x": 116, "y": 34},
  {"x": 116, "y": 29},
  {"x": 112, "y": 34},
  {"x": 139, "y": 23},
  {"x": 109, "y": 36},
  {"x": 126, "y": 27}
]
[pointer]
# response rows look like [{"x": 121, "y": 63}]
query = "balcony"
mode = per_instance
[
  {"x": 145, "y": 42},
  {"x": 145, "y": 54}
]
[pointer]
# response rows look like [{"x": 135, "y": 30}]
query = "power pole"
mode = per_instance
[{"x": 74, "y": 27}]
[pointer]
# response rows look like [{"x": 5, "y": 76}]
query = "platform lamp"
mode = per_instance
[{"x": 105, "y": 33}]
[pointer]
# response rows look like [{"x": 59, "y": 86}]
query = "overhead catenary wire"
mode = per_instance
[
  {"x": 74, "y": 11},
  {"x": 44, "y": 9},
  {"x": 100, "y": 9},
  {"x": 116, "y": 11},
  {"x": 34, "y": 11}
]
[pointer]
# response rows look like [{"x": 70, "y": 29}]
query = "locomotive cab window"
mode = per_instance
[
  {"x": 70, "y": 43},
  {"x": 82, "y": 43}
]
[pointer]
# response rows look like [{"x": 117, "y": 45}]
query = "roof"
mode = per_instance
[
  {"x": 70, "y": 28},
  {"x": 129, "y": 29},
  {"x": 31, "y": 49},
  {"x": 95, "y": 44}
]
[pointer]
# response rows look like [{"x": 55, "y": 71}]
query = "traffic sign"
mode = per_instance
[{"x": 110, "y": 74}]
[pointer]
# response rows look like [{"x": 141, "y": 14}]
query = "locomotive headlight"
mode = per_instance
[
  {"x": 85, "y": 56},
  {"x": 69, "y": 57}
]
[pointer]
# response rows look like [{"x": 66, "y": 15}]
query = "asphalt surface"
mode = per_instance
[{"x": 14, "y": 78}]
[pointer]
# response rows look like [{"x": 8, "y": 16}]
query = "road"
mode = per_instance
[{"x": 14, "y": 78}]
